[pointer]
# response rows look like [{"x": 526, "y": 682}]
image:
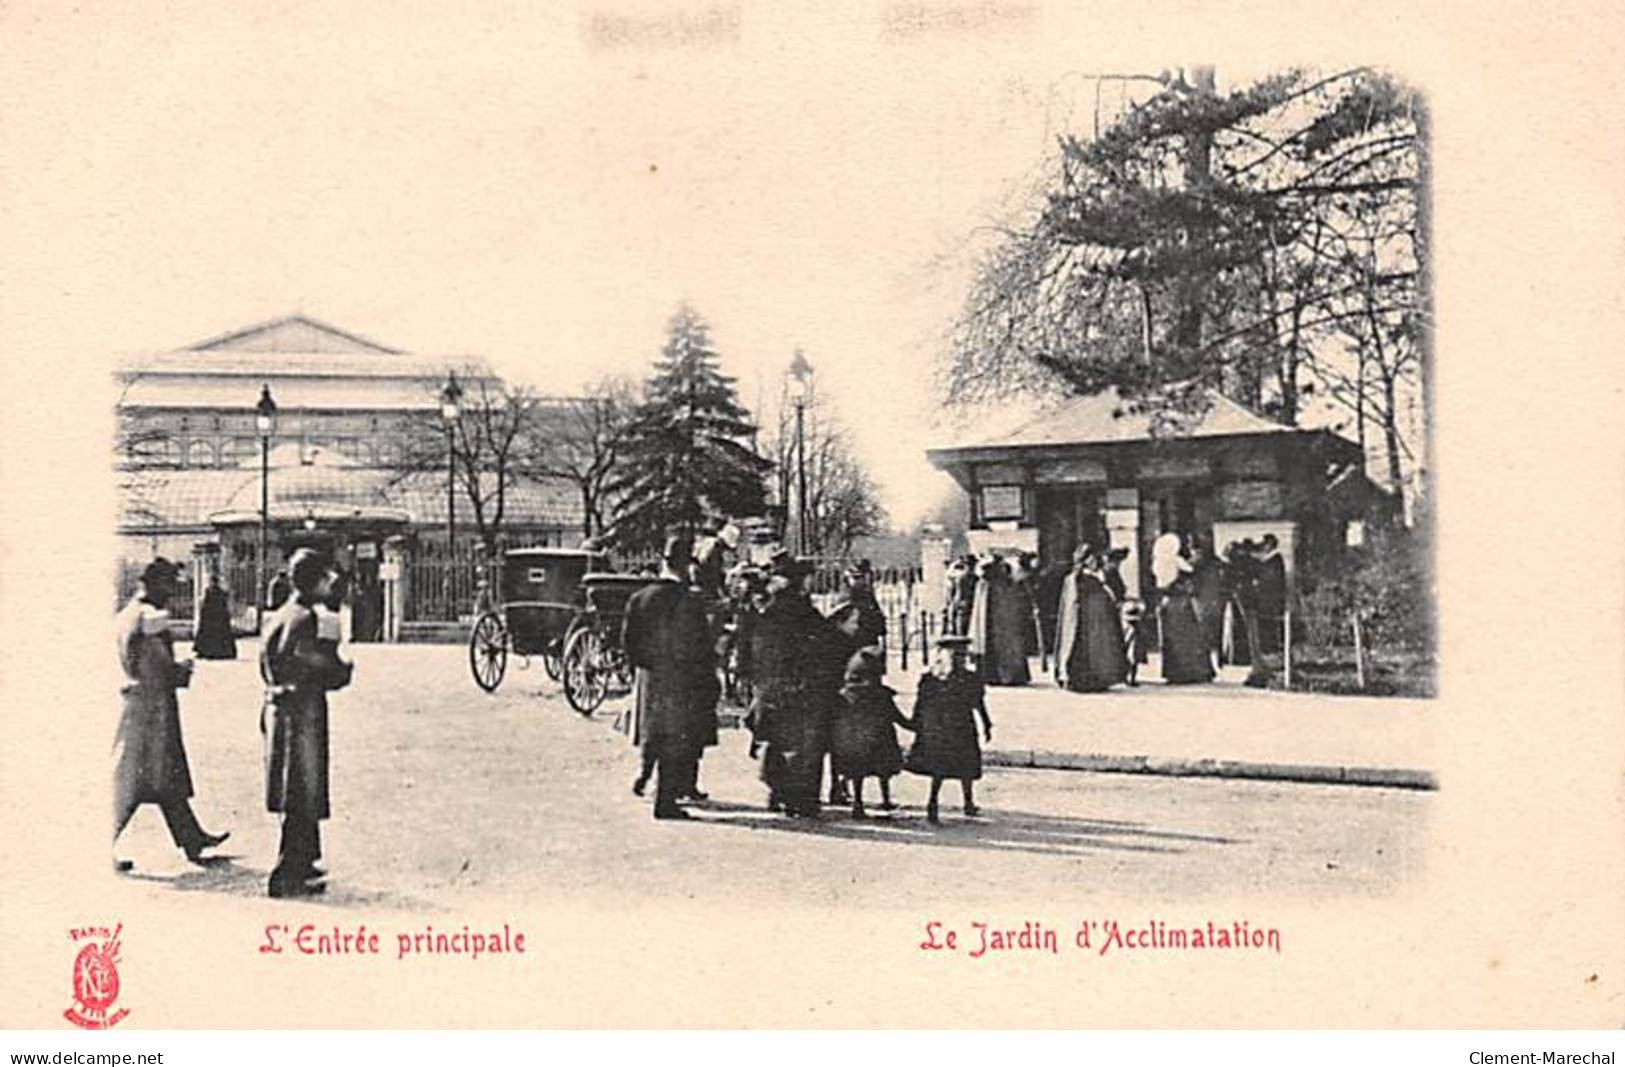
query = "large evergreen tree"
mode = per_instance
[
  {"x": 1218, "y": 240},
  {"x": 688, "y": 455}
]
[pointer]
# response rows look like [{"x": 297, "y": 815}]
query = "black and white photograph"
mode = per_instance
[{"x": 926, "y": 497}]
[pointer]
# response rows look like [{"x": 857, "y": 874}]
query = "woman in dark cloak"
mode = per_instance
[
  {"x": 1001, "y": 616},
  {"x": 1089, "y": 656},
  {"x": 214, "y": 637},
  {"x": 789, "y": 726}
]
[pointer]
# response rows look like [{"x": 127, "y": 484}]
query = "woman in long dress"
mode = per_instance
[
  {"x": 1089, "y": 656},
  {"x": 1001, "y": 616},
  {"x": 214, "y": 637},
  {"x": 1185, "y": 658}
]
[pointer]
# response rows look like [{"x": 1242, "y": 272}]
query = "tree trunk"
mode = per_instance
[{"x": 1390, "y": 430}]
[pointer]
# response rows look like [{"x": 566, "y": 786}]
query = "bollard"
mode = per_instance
[
  {"x": 1359, "y": 653},
  {"x": 1286, "y": 646}
]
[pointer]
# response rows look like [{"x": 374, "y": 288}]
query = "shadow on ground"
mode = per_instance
[
  {"x": 223, "y": 875},
  {"x": 998, "y": 830}
]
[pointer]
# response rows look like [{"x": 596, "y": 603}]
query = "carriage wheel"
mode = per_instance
[
  {"x": 550, "y": 661},
  {"x": 488, "y": 652},
  {"x": 586, "y": 682}
]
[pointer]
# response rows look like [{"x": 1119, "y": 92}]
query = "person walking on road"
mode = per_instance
[
  {"x": 298, "y": 674},
  {"x": 149, "y": 756},
  {"x": 667, "y": 638},
  {"x": 863, "y": 743},
  {"x": 950, "y": 700}
]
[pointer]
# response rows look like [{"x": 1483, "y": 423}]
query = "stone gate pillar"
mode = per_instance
[
  {"x": 1123, "y": 531},
  {"x": 934, "y": 549},
  {"x": 393, "y": 575}
]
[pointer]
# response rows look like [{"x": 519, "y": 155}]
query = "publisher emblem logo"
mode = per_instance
[{"x": 95, "y": 978}]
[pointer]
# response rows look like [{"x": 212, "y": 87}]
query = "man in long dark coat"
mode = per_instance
[
  {"x": 1271, "y": 593},
  {"x": 298, "y": 673},
  {"x": 1211, "y": 593},
  {"x": 149, "y": 756},
  {"x": 668, "y": 640}
]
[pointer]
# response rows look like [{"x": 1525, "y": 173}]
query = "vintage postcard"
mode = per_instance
[{"x": 917, "y": 514}]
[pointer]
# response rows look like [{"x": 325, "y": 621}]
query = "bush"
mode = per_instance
[{"x": 1389, "y": 582}]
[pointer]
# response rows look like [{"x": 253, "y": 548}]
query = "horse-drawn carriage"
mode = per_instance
[{"x": 562, "y": 606}]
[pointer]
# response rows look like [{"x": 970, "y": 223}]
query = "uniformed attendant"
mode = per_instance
[
  {"x": 668, "y": 640},
  {"x": 949, "y": 701},
  {"x": 298, "y": 673},
  {"x": 149, "y": 756}
]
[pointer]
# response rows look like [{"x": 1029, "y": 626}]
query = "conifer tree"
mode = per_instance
[{"x": 689, "y": 454}]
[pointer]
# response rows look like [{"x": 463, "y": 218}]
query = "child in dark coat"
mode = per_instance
[
  {"x": 864, "y": 738},
  {"x": 945, "y": 712}
]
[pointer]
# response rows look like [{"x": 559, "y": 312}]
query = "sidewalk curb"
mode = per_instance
[{"x": 1319, "y": 774}]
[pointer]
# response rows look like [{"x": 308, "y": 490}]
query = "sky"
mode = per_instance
[{"x": 543, "y": 189}]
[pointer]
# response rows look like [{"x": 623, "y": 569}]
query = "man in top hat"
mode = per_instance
[
  {"x": 668, "y": 640},
  {"x": 298, "y": 673},
  {"x": 149, "y": 755}
]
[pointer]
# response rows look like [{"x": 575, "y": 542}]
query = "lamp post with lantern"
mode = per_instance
[
  {"x": 450, "y": 411},
  {"x": 801, "y": 375},
  {"x": 264, "y": 422}
]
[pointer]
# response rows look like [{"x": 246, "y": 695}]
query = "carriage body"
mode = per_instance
[
  {"x": 541, "y": 600},
  {"x": 542, "y": 594},
  {"x": 595, "y": 665}
]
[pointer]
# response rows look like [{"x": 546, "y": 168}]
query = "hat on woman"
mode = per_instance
[
  {"x": 160, "y": 570},
  {"x": 864, "y": 666}
]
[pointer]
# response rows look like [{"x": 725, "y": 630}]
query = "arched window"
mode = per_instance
[{"x": 199, "y": 454}]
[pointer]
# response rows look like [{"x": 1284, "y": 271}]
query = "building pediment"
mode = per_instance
[{"x": 292, "y": 333}]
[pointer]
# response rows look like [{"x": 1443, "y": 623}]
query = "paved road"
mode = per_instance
[{"x": 443, "y": 794}]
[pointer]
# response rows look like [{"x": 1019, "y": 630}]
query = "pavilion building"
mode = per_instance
[
  {"x": 190, "y": 458},
  {"x": 1089, "y": 471}
]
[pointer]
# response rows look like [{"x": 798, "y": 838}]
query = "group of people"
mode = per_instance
[
  {"x": 819, "y": 712},
  {"x": 1099, "y": 632},
  {"x": 299, "y": 664}
]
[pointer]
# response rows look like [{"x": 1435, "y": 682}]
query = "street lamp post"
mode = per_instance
[
  {"x": 450, "y": 410},
  {"x": 801, "y": 373},
  {"x": 264, "y": 421}
]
